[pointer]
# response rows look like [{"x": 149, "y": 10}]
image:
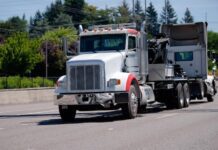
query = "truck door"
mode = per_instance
[{"x": 132, "y": 61}]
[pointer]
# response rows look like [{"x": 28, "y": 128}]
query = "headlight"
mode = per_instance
[{"x": 113, "y": 82}]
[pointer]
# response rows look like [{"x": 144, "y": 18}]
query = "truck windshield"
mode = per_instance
[{"x": 102, "y": 42}]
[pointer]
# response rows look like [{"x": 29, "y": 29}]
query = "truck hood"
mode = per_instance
[
  {"x": 113, "y": 61},
  {"x": 105, "y": 57}
]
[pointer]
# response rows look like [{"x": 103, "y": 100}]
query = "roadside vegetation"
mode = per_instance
[
  {"x": 26, "y": 45},
  {"x": 16, "y": 82}
]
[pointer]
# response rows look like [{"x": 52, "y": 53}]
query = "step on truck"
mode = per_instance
[{"x": 116, "y": 66}]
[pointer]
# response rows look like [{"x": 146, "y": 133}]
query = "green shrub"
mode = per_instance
[
  {"x": 26, "y": 82},
  {"x": 14, "y": 82},
  {"x": 2, "y": 82}
]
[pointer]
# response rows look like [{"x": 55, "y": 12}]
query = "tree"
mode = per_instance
[
  {"x": 94, "y": 16},
  {"x": 53, "y": 11},
  {"x": 152, "y": 20},
  {"x": 19, "y": 54},
  {"x": 51, "y": 41},
  {"x": 139, "y": 15},
  {"x": 213, "y": 41},
  {"x": 63, "y": 20},
  {"x": 17, "y": 23},
  {"x": 188, "y": 18},
  {"x": 168, "y": 15},
  {"x": 13, "y": 24},
  {"x": 91, "y": 14},
  {"x": 123, "y": 13},
  {"x": 138, "y": 8},
  {"x": 38, "y": 25},
  {"x": 74, "y": 8}
]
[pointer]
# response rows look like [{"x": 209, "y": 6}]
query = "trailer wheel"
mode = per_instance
[
  {"x": 201, "y": 90},
  {"x": 179, "y": 97},
  {"x": 209, "y": 96},
  {"x": 186, "y": 92},
  {"x": 67, "y": 113},
  {"x": 131, "y": 108},
  {"x": 214, "y": 88}
]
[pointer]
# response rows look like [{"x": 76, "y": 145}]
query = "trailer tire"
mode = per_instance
[
  {"x": 179, "y": 96},
  {"x": 67, "y": 113},
  {"x": 130, "y": 109},
  {"x": 201, "y": 89},
  {"x": 186, "y": 92}
]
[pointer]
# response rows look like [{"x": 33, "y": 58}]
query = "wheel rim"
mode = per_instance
[
  {"x": 133, "y": 102},
  {"x": 187, "y": 96},
  {"x": 181, "y": 99}
]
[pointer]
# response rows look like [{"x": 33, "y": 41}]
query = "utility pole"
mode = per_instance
[
  {"x": 145, "y": 10},
  {"x": 166, "y": 17},
  {"x": 145, "y": 16},
  {"x": 46, "y": 59},
  {"x": 205, "y": 16},
  {"x": 133, "y": 9}
]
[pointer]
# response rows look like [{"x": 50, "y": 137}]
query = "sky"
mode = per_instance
[{"x": 202, "y": 10}]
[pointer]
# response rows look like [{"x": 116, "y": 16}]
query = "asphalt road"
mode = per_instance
[{"x": 38, "y": 127}]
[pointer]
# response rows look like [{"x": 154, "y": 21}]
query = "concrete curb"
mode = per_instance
[{"x": 22, "y": 96}]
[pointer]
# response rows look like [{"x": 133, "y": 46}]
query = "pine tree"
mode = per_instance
[
  {"x": 188, "y": 18},
  {"x": 63, "y": 20},
  {"x": 139, "y": 15},
  {"x": 53, "y": 11},
  {"x": 138, "y": 8},
  {"x": 123, "y": 13},
  {"x": 152, "y": 19},
  {"x": 74, "y": 8},
  {"x": 38, "y": 25},
  {"x": 168, "y": 15}
]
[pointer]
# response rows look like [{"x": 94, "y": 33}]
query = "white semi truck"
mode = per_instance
[{"x": 118, "y": 67}]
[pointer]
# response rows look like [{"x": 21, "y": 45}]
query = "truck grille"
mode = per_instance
[{"x": 86, "y": 77}]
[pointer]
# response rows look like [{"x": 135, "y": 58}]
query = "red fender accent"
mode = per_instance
[{"x": 129, "y": 81}]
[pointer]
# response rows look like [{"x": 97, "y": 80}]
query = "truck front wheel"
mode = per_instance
[
  {"x": 67, "y": 113},
  {"x": 131, "y": 108}
]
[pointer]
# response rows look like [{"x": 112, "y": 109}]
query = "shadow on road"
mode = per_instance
[
  {"x": 199, "y": 110},
  {"x": 26, "y": 115},
  {"x": 94, "y": 117},
  {"x": 102, "y": 117}
]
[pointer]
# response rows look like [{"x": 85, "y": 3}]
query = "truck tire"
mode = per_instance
[
  {"x": 201, "y": 90},
  {"x": 179, "y": 97},
  {"x": 210, "y": 98},
  {"x": 131, "y": 108},
  {"x": 186, "y": 92},
  {"x": 67, "y": 113}
]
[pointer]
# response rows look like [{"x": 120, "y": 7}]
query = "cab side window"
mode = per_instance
[{"x": 132, "y": 43}]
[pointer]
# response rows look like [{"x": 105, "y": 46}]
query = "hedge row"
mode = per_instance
[{"x": 15, "y": 82}]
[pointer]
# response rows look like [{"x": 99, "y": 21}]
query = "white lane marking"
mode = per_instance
[
  {"x": 167, "y": 116},
  {"x": 110, "y": 129},
  {"x": 24, "y": 124},
  {"x": 36, "y": 113},
  {"x": 41, "y": 112},
  {"x": 17, "y": 111}
]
